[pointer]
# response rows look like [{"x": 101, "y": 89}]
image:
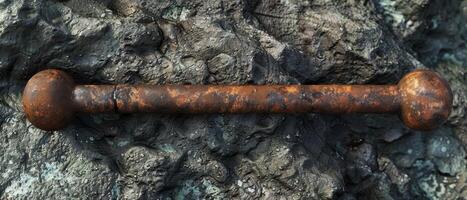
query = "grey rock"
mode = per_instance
[
  {"x": 434, "y": 187},
  {"x": 447, "y": 153},
  {"x": 144, "y": 172},
  {"x": 251, "y": 156},
  {"x": 44, "y": 165},
  {"x": 407, "y": 150},
  {"x": 397, "y": 176},
  {"x": 405, "y": 17},
  {"x": 363, "y": 162}
]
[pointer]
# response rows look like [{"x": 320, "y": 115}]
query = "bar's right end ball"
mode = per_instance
[{"x": 426, "y": 100}]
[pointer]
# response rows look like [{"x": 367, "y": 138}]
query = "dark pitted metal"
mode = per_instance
[{"x": 422, "y": 98}]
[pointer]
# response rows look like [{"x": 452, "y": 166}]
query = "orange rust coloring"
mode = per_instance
[
  {"x": 426, "y": 100},
  {"x": 422, "y": 98}
]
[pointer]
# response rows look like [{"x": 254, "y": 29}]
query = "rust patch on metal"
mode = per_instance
[
  {"x": 47, "y": 99},
  {"x": 422, "y": 98},
  {"x": 94, "y": 98},
  {"x": 426, "y": 100},
  {"x": 257, "y": 99}
]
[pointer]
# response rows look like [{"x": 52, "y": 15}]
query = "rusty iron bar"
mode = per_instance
[{"x": 422, "y": 99}]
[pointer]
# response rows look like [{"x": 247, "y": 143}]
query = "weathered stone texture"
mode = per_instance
[{"x": 255, "y": 156}]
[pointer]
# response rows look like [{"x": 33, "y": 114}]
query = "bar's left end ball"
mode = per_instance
[{"x": 47, "y": 99}]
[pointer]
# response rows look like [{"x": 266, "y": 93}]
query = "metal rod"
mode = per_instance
[
  {"x": 236, "y": 99},
  {"x": 422, "y": 98}
]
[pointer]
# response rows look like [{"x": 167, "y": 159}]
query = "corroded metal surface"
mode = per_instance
[
  {"x": 94, "y": 98},
  {"x": 47, "y": 101},
  {"x": 426, "y": 100},
  {"x": 422, "y": 98},
  {"x": 257, "y": 99}
]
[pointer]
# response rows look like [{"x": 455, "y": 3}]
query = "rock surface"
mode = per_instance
[{"x": 255, "y": 156}]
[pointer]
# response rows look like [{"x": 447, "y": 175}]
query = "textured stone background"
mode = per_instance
[{"x": 309, "y": 156}]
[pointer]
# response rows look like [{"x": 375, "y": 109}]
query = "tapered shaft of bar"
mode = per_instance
[
  {"x": 237, "y": 99},
  {"x": 422, "y": 99}
]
